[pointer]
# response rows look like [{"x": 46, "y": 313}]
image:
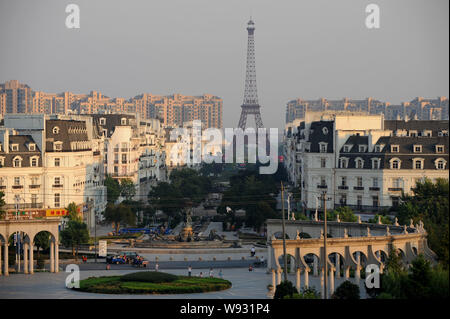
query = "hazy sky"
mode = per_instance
[{"x": 308, "y": 49}]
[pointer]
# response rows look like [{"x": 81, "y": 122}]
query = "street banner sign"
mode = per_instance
[{"x": 102, "y": 248}]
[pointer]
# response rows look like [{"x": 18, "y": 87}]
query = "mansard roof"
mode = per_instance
[
  {"x": 317, "y": 135},
  {"x": 69, "y": 131},
  {"x": 23, "y": 151}
]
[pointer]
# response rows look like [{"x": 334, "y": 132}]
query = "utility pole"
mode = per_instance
[
  {"x": 324, "y": 198},
  {"x": 95, "y": 235},
  {"x": 284, "y": 233}
]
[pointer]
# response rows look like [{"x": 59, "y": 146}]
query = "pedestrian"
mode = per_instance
[
  {"x": 189, "y": 271},
  {"x": 250, "y": 268},
  {"x": 211, "y": 274},
  {"x": 200, "y": 275},
  {"x": 156, "y": 267},
  {"x": 220, "y": 273},
  {"x": 252, "y": 251}
]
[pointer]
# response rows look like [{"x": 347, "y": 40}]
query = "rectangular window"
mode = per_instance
[
  {"x": 57, "y": 162},
  {"x": 418, "y": 165},
  {"x": 359, "y": 181},
  {"x": 343, "y": 201},
  {"x": 439, "y": 149},
  {"x": 57, "y": 180},
  {"x": 417, "y": 148},
  {"x": 323, "y": 148},
  {"x": 57, "y": 200},
  {"x": 375, "y": 182},
  {"x": 34, "y": 162},
  {"x": 344, "y": 180},
  {"x": 323, "y": 162},
  {"x": 394, "y": 148},
  {"x": 359, "y": 202},
  {"x": 124, "y": 158},
  {"x": 34, "y": 200},
  {"x": 17, "y": 181},
  {"x": 395, "y": 201},
  {"x": 323, "y": 181},
  {"x": 375, "y": 201}
]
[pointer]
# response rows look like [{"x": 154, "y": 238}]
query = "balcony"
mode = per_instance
[
  {"x": 358, "y": 188},
  {"x": 374, "y": 188},
  {"x": 96, "y": 153},
  {"x": 116, "y": 149},
  {"x": 322, "y": 186},
  {"x": 17, "y": 186},
  {"x": 124, "y": 149},
  {"x": 342, "y": 187},
  {"x": 2, "y": 186},
  {"x": 57, "y": 185},
  {"x": 395, "y": 189},
  {"x": 34, "y": 186}
]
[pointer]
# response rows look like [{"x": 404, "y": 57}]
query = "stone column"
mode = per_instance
[
  {"x": 52, "y": 256},
  {"x": 338, "y": 265},
  {"x": 322, "y": 288},
  {"x": 56, "y": 256},
  {"x": 347, "y": 273},
  {"x": 292, "y": 264},
  {"x": 306, "y": 277},
  {"x": 25, "y": 258},
  {"x": 298, "y": 279},
  {"x": 278, "y": 276},
  {"x": 315, "y": 266},
  {"x": 331, "y": 282},
  {"x": 357, "y": 274},
  {"x": 31, "y": 270},
  {"x": 1, "y": 259},
  {"x": 274, "y": 280},
  {"x": 5, "y": 257}
]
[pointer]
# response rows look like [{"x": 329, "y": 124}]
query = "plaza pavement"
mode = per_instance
[{"x": 45, "y": 285}]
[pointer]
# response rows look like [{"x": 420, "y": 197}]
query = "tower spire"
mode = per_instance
[{"x": 250, "y": 105}]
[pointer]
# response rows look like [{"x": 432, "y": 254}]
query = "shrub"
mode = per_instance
[
  {"x": 285, "y": 289},
  {"x": 346, "y": 290},
  {"x": 149, "y": 276},
  {"x": 305, "y": 293}
]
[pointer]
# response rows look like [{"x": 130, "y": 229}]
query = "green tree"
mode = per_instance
[
  {"x": 127, "y": 189},
  {"x": 73, "y": 213},
  {"x": 285, "y": 288},
  {"x": 119, "y": 214},
  {"x": 73, "y": 235},
  {"x": 346, "y": 290},
  {"x": 113, "y": 189},
  {"x": 305, "y": 293},
  {"x": 42, "y": 241},
  {"x": 345, "y": 214},
  {"x": 429, "y": 203}
]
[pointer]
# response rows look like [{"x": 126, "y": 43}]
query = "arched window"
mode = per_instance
[
  {"x": 359, "y": 162},
  {"x": 440, "y": 163},
  {"x": 418, "y": 163},
  {"x": 395, "y": 163},
  {"x": 17, "y": 161},
  {"x": 34, "y": 161}
]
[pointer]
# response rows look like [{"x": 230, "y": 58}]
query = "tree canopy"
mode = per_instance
[
  {"x": 429, "y": 203},
  {"x": 120, "y": 214}
]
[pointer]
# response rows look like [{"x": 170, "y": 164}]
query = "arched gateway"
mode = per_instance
[
  {"x": 30, "y": 228},
  {"x": 352, "y": 246}
]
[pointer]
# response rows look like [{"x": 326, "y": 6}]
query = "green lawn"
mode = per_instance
[{"x": 153, "y": 285}]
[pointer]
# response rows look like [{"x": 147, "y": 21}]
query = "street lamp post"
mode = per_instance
[{"x": 284, "y": 234}]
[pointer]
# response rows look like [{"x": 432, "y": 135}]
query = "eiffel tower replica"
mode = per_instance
[{"x": 251, "y": 105}]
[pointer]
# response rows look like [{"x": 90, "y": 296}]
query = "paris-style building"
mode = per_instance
[{"x": 362, "y": 161}]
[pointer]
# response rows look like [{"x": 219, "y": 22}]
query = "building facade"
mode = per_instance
[{"x": 363, "y": 161}]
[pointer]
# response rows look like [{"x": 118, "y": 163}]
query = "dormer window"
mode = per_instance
[
  {"x": 102, "y": 121},
  {"x": 395, "y": 163},
  {"x": 2, "y": 161},
  {"x": 324, "y": 131},
  {"x": 31, "y": 147},
  {"x": 440, "y": 163},
  {"x": 14, "y": 147},
  {"x": 417, "y": 148},
  {"x": 395, "y": 148},
  {"x": 17, "y": 161},
  {"x": 323, "y": 147},
  {"x": 0, "y": 147},
  {"x": 343, "y": 162},
  {"x": 439, "y": 148},
  {"x": 359, "y": 163},
  {"x": 413, "y": 133},
  {"x": 377, "y": 149},
  {"x": 375, "y": 163},
  {"x": 427, "y": 133},
  {"x": 346, "y": 148},
  {"x": 443, "y": 133},
  {"x": 56, "y": 130},
  {"x": 57, "y": 146},
  {"x": 418, "y": 163},
  {"x": 362, "y": 148},
  {"x": 123, "y": 121},
  {"x": 34, "y": 161}
]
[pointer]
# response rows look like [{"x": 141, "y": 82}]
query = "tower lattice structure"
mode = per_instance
[{"x": 250, "y": 105}]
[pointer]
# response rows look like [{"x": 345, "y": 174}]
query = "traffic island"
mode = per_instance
[{"x": 152, "y": 282}]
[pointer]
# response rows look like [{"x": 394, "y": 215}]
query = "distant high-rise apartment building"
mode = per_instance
[
  {"x": 419, "y": 108},
  {"x": 17, "y": 97}
]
